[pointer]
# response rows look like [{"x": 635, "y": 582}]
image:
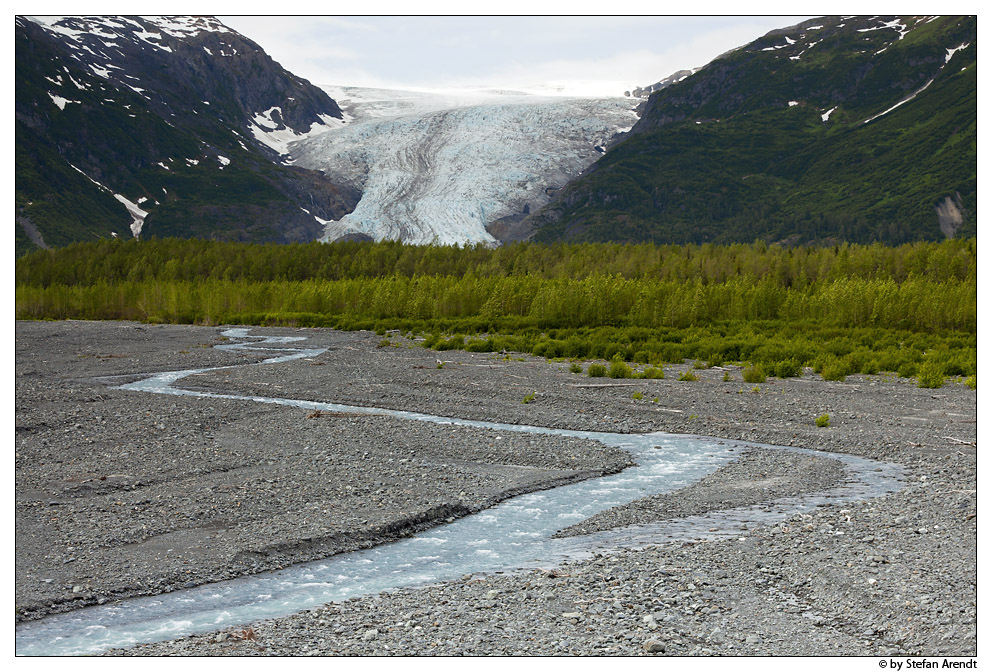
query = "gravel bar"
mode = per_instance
[{"x": 121, "y": 493}]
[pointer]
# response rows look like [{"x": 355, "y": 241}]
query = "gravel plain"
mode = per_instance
[{"x": 121, "y": 493}]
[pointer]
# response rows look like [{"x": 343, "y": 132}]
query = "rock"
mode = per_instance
[{"x": 653, "y": 646}]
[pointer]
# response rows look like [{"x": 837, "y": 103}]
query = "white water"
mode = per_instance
[{"x": 514, "y": 535}]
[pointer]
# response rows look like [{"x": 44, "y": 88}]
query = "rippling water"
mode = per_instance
[{"x": 513, "y": 535}]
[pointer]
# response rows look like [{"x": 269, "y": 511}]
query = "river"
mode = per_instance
[{"x": 516, "y": 534}]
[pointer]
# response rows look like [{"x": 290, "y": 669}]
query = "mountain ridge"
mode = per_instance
[
  {"x": 856, "y": 128},
  {"x": 168, "y": 126}
]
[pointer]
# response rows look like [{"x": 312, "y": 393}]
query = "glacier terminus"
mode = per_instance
[{"x": 456, "y": 166}]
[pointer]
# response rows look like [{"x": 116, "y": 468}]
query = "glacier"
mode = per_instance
[{"x": 439, "y": 166}]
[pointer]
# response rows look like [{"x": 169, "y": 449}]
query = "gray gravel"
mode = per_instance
[
  {"x": 760, "y": 475},
  {"x": 121, "y": 493}
]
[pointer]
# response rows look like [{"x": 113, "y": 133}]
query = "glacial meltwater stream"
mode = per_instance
[{"x": 516, "y": 534}]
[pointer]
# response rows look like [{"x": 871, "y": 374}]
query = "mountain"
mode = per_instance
[
  {"x": 457, "y": 167},
  {"x": 839, "y": 128},
  {"x": 162, "y": 126}
]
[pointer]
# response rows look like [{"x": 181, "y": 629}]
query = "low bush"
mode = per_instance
[
  {"x": 930, "y": 375},
  {"x": 619, "y": 369},
  {"x": 754, "y": 374},
  {"x": 596, "y": 371},
  {"x": 789, "y": 368},
  {"x": 835, "y": 369},
  {"x": 907, "y": 369}
]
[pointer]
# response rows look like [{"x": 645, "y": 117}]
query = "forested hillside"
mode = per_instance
[{"x": 854, "y": 129}]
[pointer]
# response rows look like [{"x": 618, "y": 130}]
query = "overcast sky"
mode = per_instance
[{"x": 594, "y": 55}]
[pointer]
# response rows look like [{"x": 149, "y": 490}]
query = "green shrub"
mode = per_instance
[
  {"x": 596, "y": 371},
  {"x": 385, "y": 343},
  {"x": 619, "y": 369},
  {"x": 480, "y": 345},
  {"x": 930, "y": 375},
  {"x": 726, "y": 376},
  {"x": 754, "y": 374},
  {"x": 456, "y": 342},
  {"x": 653, "y": 372},
  {"x": 789, "y": 368},
  {"x": 529, "y": 398},
  {"x": 637, "y": 395},
  {"x": 870, "y": 368},
  {"x": 972, "y": 381},
  {"x": 688, "y": 375},
  {"x": 575, "y": 368},
  {"x": 908, "y": 369},
  {"x": 823, "y": 421},
  {"x": 834, "y": 370}
]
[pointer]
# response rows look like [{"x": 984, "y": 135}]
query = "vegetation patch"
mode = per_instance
[{"x": 840, "y": 310}]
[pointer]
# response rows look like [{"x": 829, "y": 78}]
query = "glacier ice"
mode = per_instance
[{"x": 438, "y": 167}]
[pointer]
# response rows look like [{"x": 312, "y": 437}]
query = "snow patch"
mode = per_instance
[
  {"x": 951, "y": 52},
  {"x": 223, "y": 160},
  {"x": 137, "y": 215},
  {"x": 901, "y": 102},
  {"x": 60, "y": 101},
  {"x": 793, "y": 103},
  {"x": 188, "y": 26},
  {"x": 826, "y": 115},
  {"x": 894, "y": 24},
  {"x": 278, "y": 136}
]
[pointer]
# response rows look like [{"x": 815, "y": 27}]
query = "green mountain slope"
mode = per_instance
[{"x": 793, "y": 138}]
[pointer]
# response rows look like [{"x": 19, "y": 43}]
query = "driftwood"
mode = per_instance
[{"x": 960, "y": 442}]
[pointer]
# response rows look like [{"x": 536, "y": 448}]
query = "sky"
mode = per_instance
[{"x": 584, "y": 55}]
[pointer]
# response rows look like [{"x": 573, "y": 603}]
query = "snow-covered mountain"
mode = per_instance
[
  {"x": 161, "y": 126},
  {"x": 456, "y": 167}
]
